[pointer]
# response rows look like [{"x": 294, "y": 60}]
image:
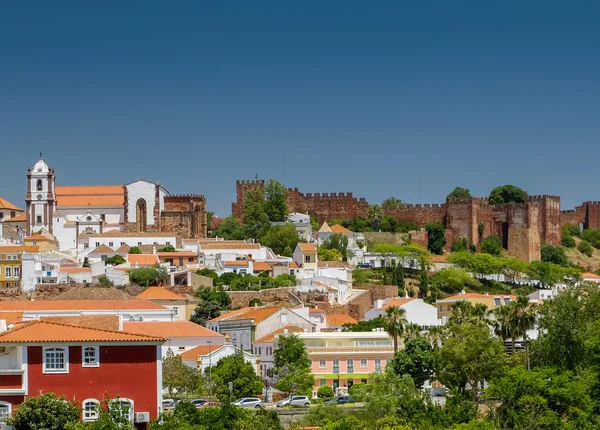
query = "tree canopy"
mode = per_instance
[
  {"x": 459, "y": 193},
  {"x": 275, "y": 205},
  {"x": 436, "y": 237},
  {"x": 235, "y": 369},
  {"x": 282, "y": 239},
  {"x": 507, "y": 194}
]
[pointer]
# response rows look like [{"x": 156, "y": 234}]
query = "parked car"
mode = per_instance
[
  {"x": 211, "y": 405},
  {"x": 168, "y": 404},
  {"x": 294, "y": 401},
  {"x": 249, "y": 402},
  {"x": 364, "y": 265},
  {"x": 198, "y": 402},
  {"x": 340, "y": 400}
]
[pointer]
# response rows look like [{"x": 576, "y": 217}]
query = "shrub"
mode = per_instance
[
  {"x": 325, "y": 392},
  {"x": 45, "y": 411},
  {"x": 571, "y": 230},
  {"x": 592, "y": 236},
  {"x": 568, "y": 241},
  {"x": 255, "y": 302},
  {"x": 585, "y": 248},
  {"x": 554, "y": 254},
  {"x": 492, "y": 245}
]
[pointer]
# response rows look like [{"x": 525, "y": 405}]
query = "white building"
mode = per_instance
[
  {"x": 302, "y": 224},
  {"x": 265, "y": 346},
  {"x": 205, "y": 356},
  {"x": 166, "y": 298},
  {"x": 417, "y": 311}
]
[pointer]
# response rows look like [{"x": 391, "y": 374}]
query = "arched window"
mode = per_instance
[
  {"x": 38, "y": 186},
  {"x": 91, "y": 410},
  {"x": 124, "y": 407},
  {"x": 234, "y": 339},
  {"x": 5, "y": 412},
  {"x": 141, "y": 215}
]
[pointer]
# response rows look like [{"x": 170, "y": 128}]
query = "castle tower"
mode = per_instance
[{"x": 41, "y": 198}]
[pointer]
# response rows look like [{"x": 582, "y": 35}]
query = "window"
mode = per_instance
[
  {"x": 336, "y": 365},
  {"x": 497, "y": 301},
  {"x": 1, "y": 215},
  {"x": 175, "y": 310},
  {"x": 322, "y": 363},
  {"x": 8, "y": 272},
  {"x": 111, "y": 244},
  {"x": 139, "y": 243},
  {"x": 97, "y": 244},
  {"x": 91, "y": 410},
  {"x": 242, "y": 271},
  {"x": 12, "y": 214},
  {"x": 322, "y": 382},
  {"x": 350, "y": 365},
  {"x": 506, "y": 300},
  {"x": 38, "y": 185},
  {"x": 307, "y": 259},
  {"x": 56, "y": 360},
  {"x": 181, "y": 348},
  {"x": 16, "y": 284},
  {"x": 103, "y": 257},
  {"x": 8, "y": 285},
  {"x": 5, "y": 412},
  {"x": 124, "y": 407},
  {"x": 168, "y": 244},
  {"x": 38, "y": 219},
  {"x": 91, "y": 356},
  {"x": 378, "y": 365},
  {"x": 363, "y": 362},
  {"x": 86, "y": 245},
  {"x": 190, "y": 259},
  {"x": 234, "y": 339},
  {"x": 35, "y": 243},
  {"x": 388, "y": 361}
]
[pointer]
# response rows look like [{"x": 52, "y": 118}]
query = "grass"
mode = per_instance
[{"x": 589, "y": 263}]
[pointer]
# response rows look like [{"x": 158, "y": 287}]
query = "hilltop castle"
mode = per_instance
[{"x": 523, "y": 228}]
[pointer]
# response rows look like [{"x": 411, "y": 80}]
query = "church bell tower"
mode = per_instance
[{"x": 41, "y": 198}]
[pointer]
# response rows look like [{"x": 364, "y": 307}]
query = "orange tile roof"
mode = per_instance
[
  {"x": 261, "y": 267},
  {"x": 235, "y": 263},
  {"x": 178, "y": 254},
  {"x": 270, "y": 338},
  {"x": 230, "y": 314},
  {"x": 395, "y": 302},
  {"x": 438, "y": 259},
  {"x": 339, "y": 320},
  {"x": 19, "y": 218},
  {"x": 316, "y": 311},
  {"x": 90, "y": 196},
  {"x": 101, "y": 322},
  {"x": 585, "y": 275},
  {"x": 308, "y": 247},
  {"x": 75, "y": 269},
  {"x": 200, "y": 350},
  {"x": 293, "y": 265},
  {"x": 5, "y": 204},
  {"x": 169, "y": 329},
  {"x": 78, "y": 305},
  {"x": 38, "y": 237},
  {"x": 158, "y": 293},
  {"x": 103, "y": 249},
  {"x": 43, "y": 331},
  {"x": 336, "y": 228},
  {"x": 123, "y": 249},
  {"x": 11, "y": 317},
  {"x": 142, "y": 259},
  {"x": 117, "y": 233},
  {"x": 258, "y": 314},
  {"x": 11, "y": 249}
]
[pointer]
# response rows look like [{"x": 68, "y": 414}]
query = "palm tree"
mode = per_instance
[
  {"x": 480, "y": 314},
  {"x": 391, "y": 203},
  {"x": 435, "y": 335},
  {"x": 374, "y": 213},
  {"x": 503, "y": 323},
  {"x": 524, "y": 316},
  {"x": 412, "y": 330},
  {"x": 394, "y": 322},
  {"x": 461, "y": 312}
]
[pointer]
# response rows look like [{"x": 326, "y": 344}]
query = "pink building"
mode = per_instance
[{"x": 342, "y": 359}]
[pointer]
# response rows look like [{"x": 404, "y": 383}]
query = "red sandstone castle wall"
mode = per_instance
[{"x": 587, "y": 214}]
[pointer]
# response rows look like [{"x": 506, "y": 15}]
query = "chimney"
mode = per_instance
[
  {"x": 3, "y": 326},
  {"x": 285, "y": 330},
  {"x": 154, "y": 250}
]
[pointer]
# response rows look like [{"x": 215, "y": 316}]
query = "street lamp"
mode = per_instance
[{"x": 209, "y": 369}]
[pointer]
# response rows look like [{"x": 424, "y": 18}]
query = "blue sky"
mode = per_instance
[{"x": 355, "y": 96}]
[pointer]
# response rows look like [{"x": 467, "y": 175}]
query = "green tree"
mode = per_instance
[
  {"x": 255, "y": 302},
  {"x": 325, "y": 392},
  {"x": 363, "y": 326},
  {"x": 585, "y": 248},
  {"x": 436, "y": 237},
  {"x": 115, "y": 260},
  {"x": 282, "y": 239},
  {"x": 293, "y": 366},
  {"x": 394, "y": 322},
  {"x": 571, "y": 230},
  {"x": 104, "y": 282},
  {"x": 548, "y": 274},
  {"x": 324, "y": 254},
  {"x": 461, "y": 245},
  {"x": 256, "y": 220},
  {"x": 471, "y": 356},
  {"x": 209, "y": 219},
  {"x": 374, "y": 213},
  {"x": 235, "y": 369},
  {"x": 453, "y": 279},
  {"x": 275, "y": 201},
  {"x": 391, "y": 203},
  {"x": 177, "y": 377},
  {"x": 216, "y": 295},
  {"x": 230, "y": 229},
  {"x": 556, "y": 255},
  {"x": 459, "y": 193},
  {"x": 168, "y": 248},
  {"x": 86, "y": 262},
  {"x": 492, "y": 245},
  {"x": 147, "y": 276},
  {"x": 205, "y": 310},
  {"x": 45, "y": 412},
  {"x": 568, "y": 241},
  {"x": 417, "y": 360},
  {"x": 592, "y": 236},
  {"x": 339, "y": 242},
  {"x": 507, "y": 194},
  {"x": 135, "y": 250}
]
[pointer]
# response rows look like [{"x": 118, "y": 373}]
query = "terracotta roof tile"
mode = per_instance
[
  {"x": 308, "y": 247},
  {"x": 466, "y": 296},
  {"x": 270, "y": 338},
  {"x": 75, "y": 269},
  {"x": 123, "y": 249},
  {"x": 158, "y": 293},
  {"x": 142, "y": 259},
  {"x": 396, "y": 302},
  {"x": 339, "y": 320},
  {"x": 18, "y": 218},
  {"x": 293, "y": 265},
  {"x": 587, "y": 275},
  {"x": 200, "y": 350},
  {"x": 169, "y": 329},
  {"x": 316, "y": 311},
  {"x": 230, "y": 314},
  {"x": 18, "y": 249},
  {"x": 78, "y": 305},
  {"x": 101, "y": 322},
  {"x": 259, "y": 266},
  {"x": 258, "y": 314},
  {"x": 5, "y": 204},
  {"x": 336, "y": 228},
  {"x": 39, "y": 238},
  {"x": 11, "y": 317},
  {"x": 90, "y": 196},
  {"x": 235, "y": 263},
  {"x": 43, "y": 331},
  {"x": 438, "y": 259},
  {"x": 103, "y": 249},
  {"x": 177, "y": 254}
]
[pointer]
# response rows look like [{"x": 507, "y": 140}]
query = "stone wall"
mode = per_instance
[
  {"x": 240, "y": 299},
  {"x": 357, "y": 307},
  {"x": 588, "y": 215}
]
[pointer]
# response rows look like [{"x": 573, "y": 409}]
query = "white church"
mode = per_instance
[{"x": 68, "y": 212}]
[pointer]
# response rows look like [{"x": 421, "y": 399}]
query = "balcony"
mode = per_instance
[{"x": 350, "y": 350}]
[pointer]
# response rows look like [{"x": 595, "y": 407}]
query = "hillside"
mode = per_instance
[{"x": 589, "y": 263}]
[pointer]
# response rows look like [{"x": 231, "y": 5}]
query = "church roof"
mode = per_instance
[
  {"x": 5, "y": 204},
  {"x": 98, "y": 196},
  {"x": 40, "y": 166}
]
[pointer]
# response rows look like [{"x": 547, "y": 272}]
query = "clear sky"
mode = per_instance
[{"x": 355, "y": 96}]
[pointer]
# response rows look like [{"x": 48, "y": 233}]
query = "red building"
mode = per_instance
[{"x": 84, "y": 364}]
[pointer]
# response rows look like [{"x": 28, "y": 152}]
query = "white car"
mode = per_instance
[
  {"x": 249, "y": 402},
  {"x": 168, "y": 404},
  {"x": 294, "y": 401}
]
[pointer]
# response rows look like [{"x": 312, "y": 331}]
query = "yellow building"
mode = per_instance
[
  {"x": 492, "y": 301},
  {"x": 44, "y": 243},
  {"x": 10, "y": 264},
  {"x": 305, "y": 255}
]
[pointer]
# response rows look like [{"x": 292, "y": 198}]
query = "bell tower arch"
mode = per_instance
[{"x": 41, "y": 198}]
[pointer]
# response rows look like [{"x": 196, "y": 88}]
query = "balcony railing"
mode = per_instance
[{"x": 350, "y": 369}]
